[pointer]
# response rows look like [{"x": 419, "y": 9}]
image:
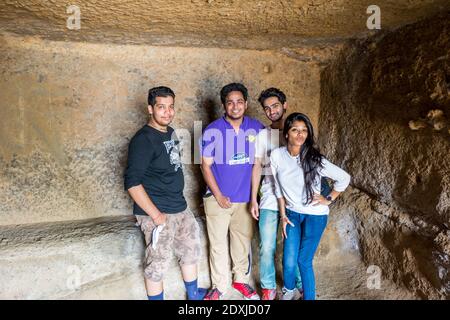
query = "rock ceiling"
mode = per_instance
[{"x": 218, "y": 23}]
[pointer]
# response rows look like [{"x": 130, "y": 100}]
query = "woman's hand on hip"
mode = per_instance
[{"x": 319, "y": 199}]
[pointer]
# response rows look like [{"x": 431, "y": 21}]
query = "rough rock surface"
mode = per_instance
[
  {"x": 368, "y": 96},
  {"x": 68, "y": 111},
  {"x": 49, "y": 261},
  {"x": 251, "y": 24}
]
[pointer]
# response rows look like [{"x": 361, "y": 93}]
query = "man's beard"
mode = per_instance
[{"x": 278, "y": 119}]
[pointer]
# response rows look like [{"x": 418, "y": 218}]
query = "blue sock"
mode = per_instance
[
  {"x": 157, "y": 297},
  {"x": 193, "y": 292}
]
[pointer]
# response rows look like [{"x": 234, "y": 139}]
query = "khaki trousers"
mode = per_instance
[{"x": 238, "y": 221}]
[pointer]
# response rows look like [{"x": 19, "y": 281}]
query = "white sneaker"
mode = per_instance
[{"x": 290, "y": 294}]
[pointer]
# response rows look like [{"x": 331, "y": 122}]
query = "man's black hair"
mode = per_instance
[
  {"x": 233, "y": 87},
  {"x": 272, "y": 92},
  {"x": 159, "y": 92}
]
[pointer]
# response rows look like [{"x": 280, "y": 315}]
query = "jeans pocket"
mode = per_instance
[
  {"x": 212, "y": 207},
  {"x": 288, "y": 212}
]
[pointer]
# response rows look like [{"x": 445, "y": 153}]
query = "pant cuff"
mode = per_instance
[
  {"x": 241, "y": 279},
  {"x": 153, "y": 277},
  {"x": 188, "y": 262}
]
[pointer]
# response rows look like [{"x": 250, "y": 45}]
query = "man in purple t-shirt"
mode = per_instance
[{"x": 228, "y": 150}]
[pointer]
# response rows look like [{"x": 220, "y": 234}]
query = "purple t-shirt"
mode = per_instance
[{"x": 233, "y": 155}]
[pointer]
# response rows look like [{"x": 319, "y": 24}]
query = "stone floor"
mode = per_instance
[{"x": 346, "y": 282}]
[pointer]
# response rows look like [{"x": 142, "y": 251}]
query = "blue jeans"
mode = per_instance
[
  {"x": 299, "y": 249},
  {"x": 268, "y": 229}
]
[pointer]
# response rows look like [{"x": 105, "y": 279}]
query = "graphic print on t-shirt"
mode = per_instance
[
  {"x": 172, "y": 148},
  {"x": 239, "y": 158}
]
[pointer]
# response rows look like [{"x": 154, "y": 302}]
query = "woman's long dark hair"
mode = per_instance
[{"x": 310, "y": 157}]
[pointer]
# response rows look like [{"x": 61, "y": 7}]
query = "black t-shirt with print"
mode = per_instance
[{"x": 154, "y": 161}]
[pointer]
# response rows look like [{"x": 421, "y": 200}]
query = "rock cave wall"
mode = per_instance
[
  {"x": 68, "y": 111},
  {"x": 385, "y": 104}
]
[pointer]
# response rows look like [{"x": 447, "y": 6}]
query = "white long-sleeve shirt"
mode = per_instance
[{"x": 290, "y": 182}]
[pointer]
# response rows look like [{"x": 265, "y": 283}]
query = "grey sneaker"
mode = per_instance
[{"x": 290, "y": 294}]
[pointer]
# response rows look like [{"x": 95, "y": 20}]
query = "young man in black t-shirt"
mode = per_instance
[{"x": 154, "y": 179}]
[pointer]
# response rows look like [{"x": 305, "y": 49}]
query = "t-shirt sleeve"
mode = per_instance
[
  {"x": 274, "y": 168},
  {"x": 140, "y": 153},
  {"x": 340, "y": 177},
  {"x": 260, "y": 144}
]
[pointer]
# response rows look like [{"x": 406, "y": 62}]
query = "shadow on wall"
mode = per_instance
[{"x": 209, "y": 106}]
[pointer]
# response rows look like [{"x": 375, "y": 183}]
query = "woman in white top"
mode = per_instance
[{"x": 298, "y": 169}]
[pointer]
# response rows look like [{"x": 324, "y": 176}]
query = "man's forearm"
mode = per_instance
[
  {"x": 210, "y": 180},
  {"x": 282, "y": 206},
  {"x": 143, "y": 201},
  {"x": 256, "y": 178}
]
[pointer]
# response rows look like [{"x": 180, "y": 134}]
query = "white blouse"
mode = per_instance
[{"x": 290, "y": 182}]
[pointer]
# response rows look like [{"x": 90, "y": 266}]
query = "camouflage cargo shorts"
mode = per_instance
[{"x": 180, "y": 236}]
